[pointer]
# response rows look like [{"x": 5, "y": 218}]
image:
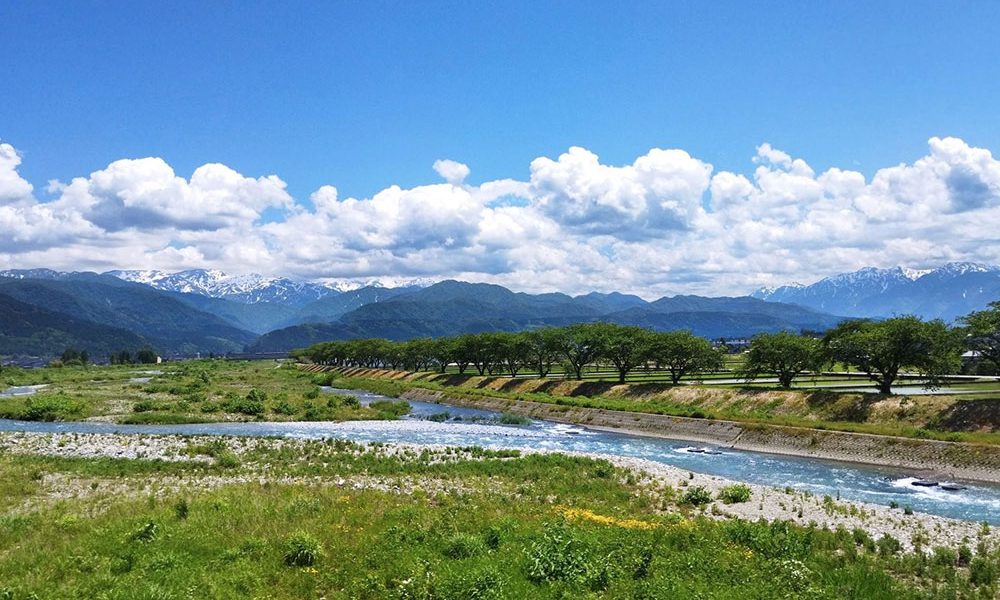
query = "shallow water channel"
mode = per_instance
[{"x": 427, "y": 424}]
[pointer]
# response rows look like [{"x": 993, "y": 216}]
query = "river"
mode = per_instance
[{"x": 426, "y": 424}]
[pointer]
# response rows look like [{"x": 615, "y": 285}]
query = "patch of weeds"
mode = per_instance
[
  {"x": 557, "y": 556},
  {"x": 696, "y": 496},
  {"x": 146, "y": 533},
  {"x": 302, "y": 550},
  {"x": 462, "y": 545},
  {"x": 735, "y": 494}
]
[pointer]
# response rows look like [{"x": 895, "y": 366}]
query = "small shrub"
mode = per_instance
[
  {"x": 52, "y": 408},
  {"x": 735, "y": 494},
  {"x": 181, "y": 509},
  {"x": 964, "y": 556},
  {"x": 888, "y": 545},
  {"x": 388, "y": 409},
  {"x": 696, "y": 496},
  {"x": 494, "y": 536},
  {"x": 512, "y": 419},
  {"x": 907, "y": 510},
  {"x": 252, "y": 404},
  {"x": 143, "y": 406},
  {"x": 602, "y": 470},
  {"x": 982, "y": 571},
  {"x": 945, "y": 557},
  {"x": 282, "y": 407},
  {"x": 302, "y": 550},
  {"x": 146, "y": 533}
]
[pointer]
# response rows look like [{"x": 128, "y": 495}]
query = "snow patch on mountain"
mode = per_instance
[
  {"x": 947, "y": 292},
  {"x": 349, "y": 285},
  {"x": 248, "y": 288}
]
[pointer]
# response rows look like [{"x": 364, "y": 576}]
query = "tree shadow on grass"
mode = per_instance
[
  {"x": 512, "y": 385},
  {"x": 592, "y": 388},
  {"x": 843, "y": 407},
  {"x": 547, "y": 385},
  {"x": 452, "y": 380},
  {"x": 969, "y": 415}
]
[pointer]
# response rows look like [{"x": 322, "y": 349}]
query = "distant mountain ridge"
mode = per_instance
[
  {"x": 201, "y": 311},
  {"x": 455, "y": 307},
  {"x": 249, "y": 289},
  {"x": 947, "y": 292}
]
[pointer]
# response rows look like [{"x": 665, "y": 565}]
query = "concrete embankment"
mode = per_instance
[{"x": 952, "y": 460}]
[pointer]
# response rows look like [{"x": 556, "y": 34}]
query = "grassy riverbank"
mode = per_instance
[
  {"x": 187, "y": 392},
  {"x": 946, "y": 418},
  {"x": 294, "y": 519}
]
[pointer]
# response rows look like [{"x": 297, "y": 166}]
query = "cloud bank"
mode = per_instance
[{"x": 667, "y": 223}]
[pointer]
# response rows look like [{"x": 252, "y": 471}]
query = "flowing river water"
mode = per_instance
[{"x": 428, "y": 424}]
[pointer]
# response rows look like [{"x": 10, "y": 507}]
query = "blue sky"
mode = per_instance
[{"x": 364, "y": 95}]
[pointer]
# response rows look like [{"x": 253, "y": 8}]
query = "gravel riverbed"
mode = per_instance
[{"x": 765, "y": 503}]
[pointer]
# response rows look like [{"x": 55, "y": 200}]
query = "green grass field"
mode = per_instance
[{"x": 335, "y": 520}]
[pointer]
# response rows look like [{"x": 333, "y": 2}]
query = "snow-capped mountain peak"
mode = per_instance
[
  {"x": 961, "y": 268},
  {"x": 349, "y": 285},
  {"x": 914, "y": 274},
  {"x": 947, "y": 292},
  {"x": 249, "y": 288}
]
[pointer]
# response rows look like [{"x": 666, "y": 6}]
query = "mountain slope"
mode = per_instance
[
  {"x": 452, "y": 307},
  {"x": 248, "y": 289},
  {"x": 948, "y": 292},
  {"x": 169, "y": 325},
  {"x": 29, "y": 330},
  {"x": 332, "y": 306}
]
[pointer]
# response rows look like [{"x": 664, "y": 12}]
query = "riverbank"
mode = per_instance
[
  {"x": 932, "y": 458},
  {"x": 661, "y": 484}
]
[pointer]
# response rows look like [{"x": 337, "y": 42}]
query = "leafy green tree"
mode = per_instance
[
  {"x": 493, "y": 351},
  {"x": 442, "y": 353},
  {"x": 123, "y": 357},
  {"x": 982, "y": 329},
  {"x": 682, "y": 352},
  {"x": 625, "y": 346},
  {"x": 543, "y": 349},
  {"x": 784, "y": 354},
  {"x": 146, "y": 356},
  {"x": 581, "y": 345},
  {"x": 883, "y": 348},
  {"x": 466, "y": 347},
  {"x": 515, "y": 352}
]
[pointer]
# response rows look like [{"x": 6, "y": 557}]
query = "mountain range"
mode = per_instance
[
  {"x": 947, "y": 292},
  {"x": 200, "y": 311}
]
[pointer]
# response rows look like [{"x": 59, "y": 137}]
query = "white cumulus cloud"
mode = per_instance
[{"x": 665, "y": 223}]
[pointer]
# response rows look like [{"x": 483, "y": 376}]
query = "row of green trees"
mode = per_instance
[
  {"x": 146, "y": 356},
  {"x": 883, "y": 350},
  {"x": 575, "y": 347}
]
